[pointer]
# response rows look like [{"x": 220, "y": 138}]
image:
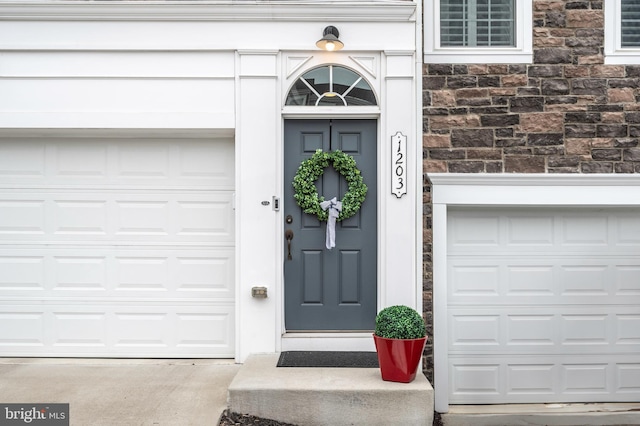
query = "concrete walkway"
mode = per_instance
[{"x": 127, "y": 392}]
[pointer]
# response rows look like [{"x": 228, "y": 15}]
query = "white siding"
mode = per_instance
[{"x": 117, "y": 89}]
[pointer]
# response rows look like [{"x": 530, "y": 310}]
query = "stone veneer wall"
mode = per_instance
[{"x": 566, "y": 112}]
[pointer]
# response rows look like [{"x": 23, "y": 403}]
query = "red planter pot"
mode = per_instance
[{"x": 399, "y": 358}]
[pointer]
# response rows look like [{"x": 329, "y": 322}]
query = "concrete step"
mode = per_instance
[{"x": 328, "y": 396}]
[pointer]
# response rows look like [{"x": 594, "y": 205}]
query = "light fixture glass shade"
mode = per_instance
[{"x": 329, "y": 40}]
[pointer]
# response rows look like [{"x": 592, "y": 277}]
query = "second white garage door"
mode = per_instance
[
  {"x": 543, "y": 305},
  {"x": 117, "y": 247}
]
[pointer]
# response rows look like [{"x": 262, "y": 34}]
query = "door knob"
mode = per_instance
[{"x": 288, "y": 234}]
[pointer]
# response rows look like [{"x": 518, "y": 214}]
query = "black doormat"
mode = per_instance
[{"x": 328, "y": 359}]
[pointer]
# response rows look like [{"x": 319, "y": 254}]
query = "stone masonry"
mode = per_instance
[{"x": 566, "y": 112}]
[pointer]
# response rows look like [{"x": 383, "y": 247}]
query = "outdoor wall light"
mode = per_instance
[{"x": 329, "y": 40}]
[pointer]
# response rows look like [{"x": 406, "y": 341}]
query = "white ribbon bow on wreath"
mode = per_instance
[{"x": 334, "y": 207}]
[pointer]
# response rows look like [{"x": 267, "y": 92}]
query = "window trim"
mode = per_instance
[
  {"x": 614, "y": 53},
  {"x": 521, "y": 53}
]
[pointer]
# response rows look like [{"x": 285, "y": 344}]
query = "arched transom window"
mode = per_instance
[{"x": 331, "y": 85}]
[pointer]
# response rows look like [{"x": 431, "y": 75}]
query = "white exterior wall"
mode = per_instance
[{"x": 223, "y": 68}]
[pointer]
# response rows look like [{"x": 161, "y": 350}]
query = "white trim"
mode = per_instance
[
  {"x": 31, "y": 132},
  {"x": 474, "y": 56},
  {"x": 440, "y": 327},
  {"x": 224, "y": 10},
  {"x": 418, "y": 182},
  {"x": 614, "y": 54},
  {"x": 311, "y": 112},
  {"x": 325, "y": 341},
  {"x": 521, "y": 53},
  {"x": 536, "y": 189},
  {"x": 453, "y": 189}
]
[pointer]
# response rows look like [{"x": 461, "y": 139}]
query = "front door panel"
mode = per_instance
[{"x": 330, "y": 290}]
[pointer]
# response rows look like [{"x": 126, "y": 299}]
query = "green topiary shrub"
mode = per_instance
[{"x": 400, "y": 322}]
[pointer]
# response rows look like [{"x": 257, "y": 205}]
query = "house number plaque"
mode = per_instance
[{"x": 398, "y": 164}]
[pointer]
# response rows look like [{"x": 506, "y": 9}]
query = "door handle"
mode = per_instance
[{"x": 288, "y": 234}]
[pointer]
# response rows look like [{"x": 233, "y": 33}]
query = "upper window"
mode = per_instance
[
  {"x": 331, "y": 85},
  {"x": 474, "y": 23},
  {"x": 622, "y": 32},
  {"x": 630, "y": 23},
  {"x": 478, "y": 31}
]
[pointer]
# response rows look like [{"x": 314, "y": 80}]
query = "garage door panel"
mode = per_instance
[
  {"x": 23, "y": 161},
  {"x": 504, "y": 331},
  {"x": 557, "y": 279},
  {"x": 628, "y": 230},
  {"x": 543, "y": 305},
  {"x": 115, "y": 216},
  {"x": 213, "y": 164},
  {"x": 626, "y": 280},
  {"x": 96, "y": 329},
  {"x": 79, "y": 217},
  {"x": 124, "y": 273},
  {"x": 117, "y": 247},
  {"x": 22, "y": 216},
  {"x": 536, "y": 231},
  {"x": 90, "y": 162},
  {"x": 21, "y": 274},
  {"x": 79, "y": 329},
  {"x": 22, "y": 327},
  {"x": 584, "y": 230},
  {"x": 542, "y": 379},
  {"x": 627, "y": 378},
  {"x": 201, "y": 329},
  {"x": 78, "y": 273},
  {"x": 532, "y": 229}
]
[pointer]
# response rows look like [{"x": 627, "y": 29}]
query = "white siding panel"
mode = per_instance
[
  {"x": 543, "y": 305},
  {"x": 142, "y": 64},
  {"x": 117, "y": 95},
  {"x": 117, "y": 247}
]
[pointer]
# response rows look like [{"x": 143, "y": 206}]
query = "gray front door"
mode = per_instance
[{"x": 330, "y": 289}]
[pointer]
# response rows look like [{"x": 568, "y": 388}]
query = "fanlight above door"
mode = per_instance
[{"x": 331, "y": 85}]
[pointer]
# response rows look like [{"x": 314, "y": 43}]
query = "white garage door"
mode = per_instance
[
  {"x": 116, "y": 247},
  {"x": 543, "y": 305}
]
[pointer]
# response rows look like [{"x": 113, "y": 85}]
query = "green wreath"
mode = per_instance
[{"x": 306, "y": 193}]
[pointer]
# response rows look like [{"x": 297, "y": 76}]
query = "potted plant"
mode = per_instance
[{"x": 399, "y": 337}]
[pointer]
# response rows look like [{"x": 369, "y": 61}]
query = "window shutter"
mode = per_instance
[
  {"x": 473, "y": 23},
  {"x": 630, "y": 13}
]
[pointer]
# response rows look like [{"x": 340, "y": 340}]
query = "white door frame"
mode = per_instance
[
  {"x": 453, "y": 189},
  {"x": 395, "y": 76},
  {"x": 390, "y": 262}
]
